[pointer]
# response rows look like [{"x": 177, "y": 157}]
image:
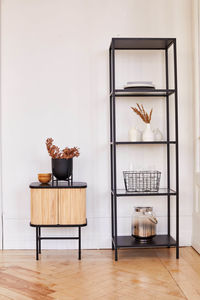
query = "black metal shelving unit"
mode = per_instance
[{"x": 162, "y": 44}]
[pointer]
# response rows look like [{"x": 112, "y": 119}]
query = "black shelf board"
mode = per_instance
[
  {"x": 142, "y": 43},
  {"x": 142, "y": 92},
  {"x": 160, "y": 240},
  {"x": 161, "y": 192},
  {"x": 145, "y": 143}
]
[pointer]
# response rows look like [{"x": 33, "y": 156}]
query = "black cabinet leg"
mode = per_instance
[
  {"x": 37, "y": 256},
  {"x": 116, "y": 254},
  {"x": 39, "y": 240},
  {"x": 177, "y": 252},
  {"x": 79, "y": 243}
]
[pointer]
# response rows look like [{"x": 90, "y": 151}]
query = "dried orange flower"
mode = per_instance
[{"x": 66, "y": 153}]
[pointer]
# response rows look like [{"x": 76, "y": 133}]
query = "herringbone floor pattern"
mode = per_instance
[{"x": 139, "y": 274}]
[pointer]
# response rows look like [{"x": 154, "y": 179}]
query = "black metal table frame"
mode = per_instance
[{"x": 39, "y": 237}]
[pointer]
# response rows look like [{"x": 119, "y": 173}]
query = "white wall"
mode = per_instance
[
  {"x": 1, "y": 200},
  {"x": 196, "y": 207},
  {"x": 55, "y": 84}
]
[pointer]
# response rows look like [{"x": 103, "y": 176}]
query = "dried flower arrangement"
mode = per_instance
[
  {"x": 140, "y": 111},
  {"x": 66, "y": 153}
]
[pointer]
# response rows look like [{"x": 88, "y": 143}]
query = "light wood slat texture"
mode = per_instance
[
  {"x": 145, "y": 274},
  {"x": 72, "y": 206},
  {"x": 44, "y": 206}
]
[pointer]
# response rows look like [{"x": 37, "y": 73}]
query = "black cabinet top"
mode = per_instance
[{"x": 58, "y": 185}]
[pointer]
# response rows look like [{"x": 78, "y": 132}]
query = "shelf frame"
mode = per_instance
[
  {"x": 160, "y": 240},
  {"x": 144, "y": 44},
  {"x": 142, "y": 93},
  {"x": 141, "y": 43},
  {"x": 145, "y": 143},
  {"x": 161, "y": 192}
]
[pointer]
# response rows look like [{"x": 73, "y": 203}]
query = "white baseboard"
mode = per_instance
[
  {"x": 196, "y": 246},
  {"x": 19, "y": 235}
]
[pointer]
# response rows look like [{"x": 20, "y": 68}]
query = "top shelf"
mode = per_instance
[
  {"x": 142, "y": 93},
  {"x": 142, "y": 43}
]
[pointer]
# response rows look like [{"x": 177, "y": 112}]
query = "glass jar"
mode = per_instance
[{"x": 144, "y": 223}]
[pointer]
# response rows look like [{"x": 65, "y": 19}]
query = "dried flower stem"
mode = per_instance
[{"x": 140, "y": 111}]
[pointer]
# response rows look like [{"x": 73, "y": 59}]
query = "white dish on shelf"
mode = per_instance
[{"x": 139, "y": 85}]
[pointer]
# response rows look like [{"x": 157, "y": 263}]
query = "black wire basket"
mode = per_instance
[{"x": 142, "y": 181}]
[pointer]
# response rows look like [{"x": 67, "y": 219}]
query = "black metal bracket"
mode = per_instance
[
  {"x": 56, "y": 181},
  {"x": 39, "y": 238}
]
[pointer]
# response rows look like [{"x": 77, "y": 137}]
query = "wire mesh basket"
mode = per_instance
[{"x": 142, "y": 181}]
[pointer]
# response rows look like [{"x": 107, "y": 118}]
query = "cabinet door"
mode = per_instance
[
  {"x": 44, "y": 206},
  {"x": 72, "y": 206}
]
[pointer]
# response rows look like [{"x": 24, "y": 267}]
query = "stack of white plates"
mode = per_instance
[{"x": 139, "y": 85}]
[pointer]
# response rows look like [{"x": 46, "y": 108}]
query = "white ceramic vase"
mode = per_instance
[
  {"x": 148, "y": 135},
  {"x": 134, "y": 135},
  {"x": 158, "y": 135}
]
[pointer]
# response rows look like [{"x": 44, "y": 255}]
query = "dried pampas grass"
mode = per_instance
[{"x": 140, "y": 111}]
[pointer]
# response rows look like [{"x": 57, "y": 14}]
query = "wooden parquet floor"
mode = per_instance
[{"x": 139, "y": 274}]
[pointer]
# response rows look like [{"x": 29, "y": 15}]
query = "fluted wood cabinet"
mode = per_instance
[
  {"x": 44, "y": 206},
  {"x": 72, "y": 206},
  {"x": 58, "y": 203}
]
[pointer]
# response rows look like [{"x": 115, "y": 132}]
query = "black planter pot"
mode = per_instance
[{"x": 62, "y": 168}]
